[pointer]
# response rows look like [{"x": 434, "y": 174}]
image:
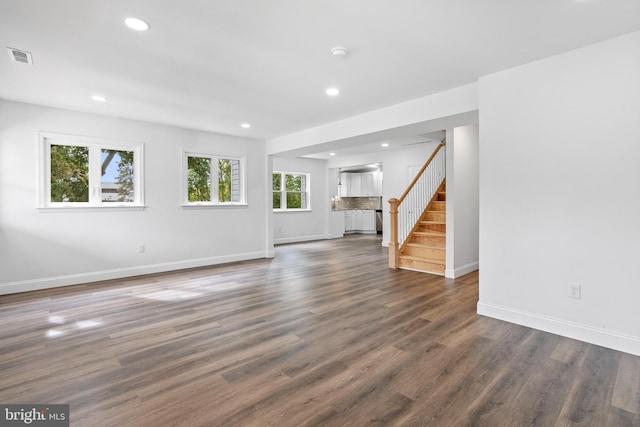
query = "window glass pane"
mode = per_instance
[
  {"x": 199, "y": 179},
  {"x": 276, "y": 200},
  {"x": 293, "y": 182},
  {"x": 69, "y": 173},
  {"x": 277, "y": 182},
  {"x": 294, "y": 201},
  {"x": 117, "y": 176},
  {"x": 228, "y": 180}
]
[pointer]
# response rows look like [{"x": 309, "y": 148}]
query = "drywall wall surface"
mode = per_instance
[
  {"x": 462, "y": 201},
  {"x": 40, "y": 249},
  {"x": 559, "y": 193},
  {"x": 304, "y": 225}
]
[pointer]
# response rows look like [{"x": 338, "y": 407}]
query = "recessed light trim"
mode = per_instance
[
  {"x": 385, "y": 144},
  {"x": 332, "y": 154},
  {"x": 339, "y": 51},
  {"x": 99, "y": 98},
  {"x": 137, "y": 24},
  {"x": 245, "y": 125},
  {"x": 333, "y": 91}
]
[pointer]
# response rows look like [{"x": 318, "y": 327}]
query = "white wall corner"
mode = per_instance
[{"x": 454, "y": 273}]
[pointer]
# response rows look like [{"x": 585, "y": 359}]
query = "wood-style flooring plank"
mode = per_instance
[{"x": 324, "y": 334}]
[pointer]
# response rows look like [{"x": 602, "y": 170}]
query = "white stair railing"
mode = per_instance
[{"x": 406, "y": 211}]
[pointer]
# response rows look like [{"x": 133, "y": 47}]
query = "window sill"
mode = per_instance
[
  {"x": 90, "y": 208},
  {"x": 215, "y": 206},
  {"x": 291, "y": 210}
]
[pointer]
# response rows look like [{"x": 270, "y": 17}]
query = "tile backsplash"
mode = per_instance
[{"x": 357, "y": 203}]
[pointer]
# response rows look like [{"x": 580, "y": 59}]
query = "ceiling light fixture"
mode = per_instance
[
  {"x": 332, "y": 91},
  {"x": 339, "y": 51},
  {"x": 385, "y": 144},
  {"x": 99, "y": 98},
  {"x": 246, "y": 125},
  {"x": 137, "y": 24},
  {"x": 332, "y": 154}
]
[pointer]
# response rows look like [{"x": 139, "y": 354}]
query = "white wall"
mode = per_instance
[
  {"x": 45, "y": 249},
  {"x": 560, "y": 193},
  {"x": 304, "y": 225},
  {"x": 462, "y": 201}
]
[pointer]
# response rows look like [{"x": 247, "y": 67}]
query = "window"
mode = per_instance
[
  {"x": 90, "y": 172},
  {"x": 213, "y": 180},
  {"x": 290, "y": 191}
]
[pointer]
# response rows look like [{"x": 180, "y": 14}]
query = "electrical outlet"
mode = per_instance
[
  {"x": 573, "y": 290},
  {"x": 140, "y": 249}
]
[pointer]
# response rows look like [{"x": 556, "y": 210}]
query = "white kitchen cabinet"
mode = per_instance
[
  {"x": 360, "y": 221},
  {"x": 349, "y": 221},
  {"x": 368, "y": 221},
  {"x": 343, "y": 187},
  {"x": 367, "y": 184},
  {"x": 355, "y": 185}
]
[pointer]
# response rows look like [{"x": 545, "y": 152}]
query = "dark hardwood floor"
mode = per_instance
[{"x": 322, "y": 335}]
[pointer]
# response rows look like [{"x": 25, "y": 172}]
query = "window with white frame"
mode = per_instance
[
  {"x": 213, "y": 180},
  {"x": 90, "y": 172},
  {"x": 290, "y": 191}
]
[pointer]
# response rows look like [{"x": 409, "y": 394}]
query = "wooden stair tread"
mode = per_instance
[
  {"x": 427, "y": 221},
  {"x": 424, "y": 245},
  {"x": 417, "y": 258},
  {"x": 429, "y": 233}
]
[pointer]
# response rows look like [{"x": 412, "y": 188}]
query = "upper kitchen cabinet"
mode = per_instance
[{"x": 361, "y": 184}]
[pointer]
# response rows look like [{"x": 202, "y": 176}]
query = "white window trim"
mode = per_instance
[
  {"x": 46, "y": 139},
  {"x": 186, "y": 204},
  {"x": 283, "y": 191}
]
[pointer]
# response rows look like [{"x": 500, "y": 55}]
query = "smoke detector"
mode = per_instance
[
  {"x": 339, "y": 51},
  {"x": 21, "y": 56}
]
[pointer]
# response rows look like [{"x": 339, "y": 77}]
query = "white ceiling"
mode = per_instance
[{"x": 213, "y": 64}]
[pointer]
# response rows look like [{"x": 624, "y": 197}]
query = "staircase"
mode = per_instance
[{"x": 424, "y": 249}]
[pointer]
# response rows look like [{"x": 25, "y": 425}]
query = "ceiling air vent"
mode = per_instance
[{"x": 20, "y": 56}]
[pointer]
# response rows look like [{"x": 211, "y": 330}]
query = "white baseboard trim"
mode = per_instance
[
  {"x": 602, "y": 337},
  {"x": 119, "y": 273},
  {"x": 453, "y": 273},
  {"x": 385, "y": 243},
  {"x": 297, "y": 239}
]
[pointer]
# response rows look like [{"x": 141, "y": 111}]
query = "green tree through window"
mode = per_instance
[
  {"x": 199, "y": 179},
  {"x": 295, "y": 192},
  {"x": 69, "y": 173},
  {"x": 208, "y": 173}
]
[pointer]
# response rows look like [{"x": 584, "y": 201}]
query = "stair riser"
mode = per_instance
[
  {"x": 442, "y": 228},
  {"x": 442, "y": 197},
  {"x": 426, "y": 253},
  {"x": 438, "y": 241},
  {"x": 428, "y": 267},
  {"x": 435, "y": 216},
  {"x": 438, "y": 206}
]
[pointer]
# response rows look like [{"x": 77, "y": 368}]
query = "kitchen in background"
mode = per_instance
[{"x": 356, "y": 199}]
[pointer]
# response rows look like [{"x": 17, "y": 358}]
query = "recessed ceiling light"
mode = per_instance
[
  {"x": 375, "y": 165},
  {"x": 385, "y": 144},
  {"x": 246, "y": 125},
  {"x": 332, "y": 154},
  {"x": 333, "y": 91},
  {"x": 339, "y": 51},
  {"x": 99, "y": 98},
  {"x": 137, "y": 24}
]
